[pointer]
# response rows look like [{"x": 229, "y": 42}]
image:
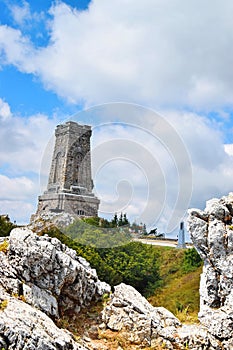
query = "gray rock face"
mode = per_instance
[
  {"x": 48, "y": 276},
  {"x": 212, "y": 234},
  {"x": 50, "y": 219},
  {"x": 51, "y": 274},
  {"x": 140, "y": 321},
  {"x": 39, "y": 276},
  {"x": 23, "y": 327},
  {"x": 145, "y": 325}
]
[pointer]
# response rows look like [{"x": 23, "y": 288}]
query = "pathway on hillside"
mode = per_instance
[{"x": 164, "y": 243}]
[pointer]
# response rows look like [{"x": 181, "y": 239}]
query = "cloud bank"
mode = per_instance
[
  {"x": 172, "y": 56},
  {"x": 156, "y": 52},
  {"x": 22, "y": 143}
]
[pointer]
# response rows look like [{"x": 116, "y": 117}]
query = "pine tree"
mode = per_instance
[
  {"x": 114, "y": 221},
  {"x": 125, "y": 220},
  {"x": 120, "y": 221}
]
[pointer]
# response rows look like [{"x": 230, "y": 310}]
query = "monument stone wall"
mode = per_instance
[{"x": 70, "y": 182}]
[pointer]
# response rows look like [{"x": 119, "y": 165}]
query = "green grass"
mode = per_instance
[
  {"x": 179, "y": 289},
  {"x": 170, "y": 277}
]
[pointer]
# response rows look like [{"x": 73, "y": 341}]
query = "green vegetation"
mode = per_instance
[
  {"x": 5, "y": 226},
  {"x": 133, "y": 263},
  {"x": 94, "y": 232},
  {"x": 180, "y": 271},
  {"x": 168, "y": 276},
  {"x": 191, "y": 260},
  {"x": 3, "y": 305},
  {"x": 104, "y": 223}
]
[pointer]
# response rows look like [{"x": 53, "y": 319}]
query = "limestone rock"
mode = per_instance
[
  {"x": 39, "y": 276},
  {"x": 23, "y": 327},
  {"x": 131, "y": 313},
  {"x": 212, "y": 233},
  {"x": 142, "y": 324},
  {"x": 50, "y": 219},
  {"x": 48, "y": 273}
]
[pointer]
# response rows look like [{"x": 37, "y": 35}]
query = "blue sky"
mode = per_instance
[
  {"x": 24, "y": 92},
  {"x": 58, "y": 58}
]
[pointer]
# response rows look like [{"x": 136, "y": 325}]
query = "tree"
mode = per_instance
[
  {"x": 120, "y": 221},
  {"x": 114, "y": 222},
  {"x": 125, "y": 220},
  {"x": 133, "y": 263},
  {"x": 5, "y": 225}
]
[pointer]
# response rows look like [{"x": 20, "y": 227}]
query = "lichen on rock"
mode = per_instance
[{"x": 212, "y": 235}]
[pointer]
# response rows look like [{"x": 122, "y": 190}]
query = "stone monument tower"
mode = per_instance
[{"x": 70, "y": 184}]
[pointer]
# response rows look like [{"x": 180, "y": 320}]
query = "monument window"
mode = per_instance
[
  {"x": 80, "y": 212},
  {"x": 57, "y": 169},
  {"x": 78, "y": 157}
]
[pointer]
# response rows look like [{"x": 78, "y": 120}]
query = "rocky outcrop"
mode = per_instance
[
  {"x": 47, "y": 220},
  {"x": 128, "y": 312},
  {"x": 212, "y": 234},
  {"x": 144, "y": 325},
  {"x": 23, "y": 327},
  {"x": 40, "y": 276},
  {"x": 131, "y": 313}
]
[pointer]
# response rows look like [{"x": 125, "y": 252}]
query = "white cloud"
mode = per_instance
[
  {"x": 21, "y": 13},
  {"x": 22, "y": 144},
  {"x": 210, "y": 161},
  {"x": 17, "y": 188},
  {"x": 18, "y": 197},
  {"x": 137, "y": 173},
  {"x": 153, "y": 52},
  {"x": 229, "y": 149},
  {"x": 5, "y": 111},
  {"x": 18, "y": 211}
]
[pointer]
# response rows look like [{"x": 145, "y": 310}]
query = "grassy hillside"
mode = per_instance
[
  {"x": 167, "y": 276},
  {"x": 179, "y": 289}
]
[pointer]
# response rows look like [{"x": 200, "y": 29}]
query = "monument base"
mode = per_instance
[{"x": 74, "y": 204}]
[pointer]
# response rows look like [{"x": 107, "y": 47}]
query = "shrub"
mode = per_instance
[
  {"x": 191, "y": 260},
  {"x": 133, "y": 263},
  {"x": 5, "y": 226},
  {"x": 3, "y": 305},
  {"x": 4, "y": 247}
]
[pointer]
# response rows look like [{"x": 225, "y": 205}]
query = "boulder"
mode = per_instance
[
  {"x": 48, "y": 274},
  {"x": 142, "y": 324},
  {"x": 22, "y": 327},
  {"x": 46, "y": 220},
  {"x": 40, "y": 277},
  {"x": 130, "y": 312},
  {"x": 212, "y": 233}
]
